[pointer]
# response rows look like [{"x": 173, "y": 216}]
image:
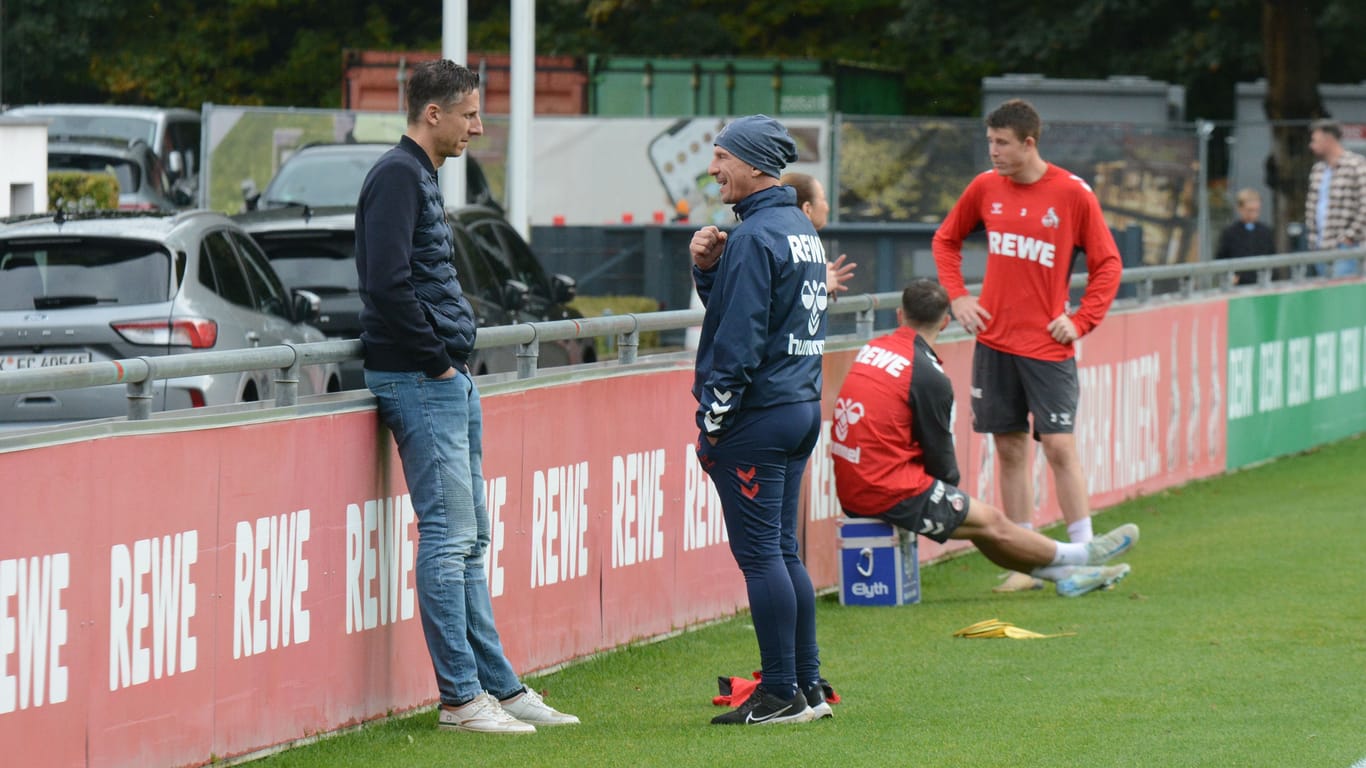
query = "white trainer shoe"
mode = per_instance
[
  {"x": 1104, "y": 548},
  {"x": 1087, "y": 578},
  {"x": 529, "y": 707},
  {"x": 482, "y": 714}
]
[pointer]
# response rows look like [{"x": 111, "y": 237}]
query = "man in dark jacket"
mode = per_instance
[
  {"x": 758, "y": 386},
  {"x": 418, "y": 330},
  {"x": 892, "y": 447}
]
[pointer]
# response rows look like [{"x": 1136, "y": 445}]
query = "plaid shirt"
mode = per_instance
[{"x": 1346, "y": 219}]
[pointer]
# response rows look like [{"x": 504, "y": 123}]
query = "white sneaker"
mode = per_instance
[
  {"x": 1086, "y": 578},
  {"x": 1102, "y": 549},
  {"x": 529, "y": 707},
  {"x": 482, "y": 714}
]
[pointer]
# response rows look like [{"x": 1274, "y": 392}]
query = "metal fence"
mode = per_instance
[{"x": 867, "y": 311}]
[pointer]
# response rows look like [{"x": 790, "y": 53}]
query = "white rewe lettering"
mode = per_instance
[
  {"x": 1020, "y": 247},
  {"x": 805, "y": 248},
  {"x": 889, "y": 361},
  {"x": 495, "y": 498},
  {"x": 559, "y": 524},
  {"x": 270, "y": 566},
  {"x": 637, "y": 506},
  {"x": 703, "y": 522},
  {"x": 379, "y": 562},
  {"x": 166, "y": 562},
  {"x": 35, "y": 633}
]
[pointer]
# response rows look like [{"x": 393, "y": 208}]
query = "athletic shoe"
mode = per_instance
[
  {"x": 815, "y": 698},
  {"x": 1086, "y": 578},
  {"x": 763, "y": 708},
  {"x": 529, "y": 707},
  {"x": 1102, "y": 549},
  {"x": 482, "y": 714},
  {"x": 1015, "y": 581}
]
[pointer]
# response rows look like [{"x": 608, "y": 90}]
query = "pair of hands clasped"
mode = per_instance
[
  {"x": 709, "y": 242},
  {"x": 974, "y": 320}
]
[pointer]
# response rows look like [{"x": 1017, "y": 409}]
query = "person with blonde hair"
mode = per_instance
[{"x": 1247, "y": 236}]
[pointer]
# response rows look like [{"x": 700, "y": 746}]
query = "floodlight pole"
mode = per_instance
[{"x": 455, "y": 26}]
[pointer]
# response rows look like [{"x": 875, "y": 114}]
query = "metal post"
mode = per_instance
[
  {"x": 627, "y": 345},
  {"x": 526, "y": 358},
  {"x": 140, "y": 398},
  {"x": 287, "y": 382},
  {"x": 863, "y": 322},
  {"x": 1203, "y": 129}
]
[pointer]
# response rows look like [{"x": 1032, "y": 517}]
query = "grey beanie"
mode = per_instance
[{"x": 760, "y": 141}]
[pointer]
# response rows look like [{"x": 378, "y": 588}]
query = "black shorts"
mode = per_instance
[
  {"x": 934, "y": 513},
  {"x": 1007, "y": 388}
]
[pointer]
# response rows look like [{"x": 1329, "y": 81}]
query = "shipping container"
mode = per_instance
[{"x": 682, "y": 87}]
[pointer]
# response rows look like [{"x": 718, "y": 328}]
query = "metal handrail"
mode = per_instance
[{"x": 138, "y": 373}]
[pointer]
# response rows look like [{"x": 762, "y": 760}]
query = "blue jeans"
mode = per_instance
[
  {"x": 439, "y": 427},
  {"x": 757, "y": 468}
]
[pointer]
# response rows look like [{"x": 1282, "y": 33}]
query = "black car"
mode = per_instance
[
  {"x": 315, "y": 250},
  {"x": 321, "y": 175}
]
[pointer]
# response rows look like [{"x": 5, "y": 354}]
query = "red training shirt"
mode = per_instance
[
  {"x": 1032, "y": 231},
  {"x": 893, "y": 435}
]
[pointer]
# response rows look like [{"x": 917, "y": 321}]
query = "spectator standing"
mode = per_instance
[
  {"x": 1247, "y": 236},
  {"x": 418, "y": 331},
  {"x": 1335, "y": 209}
]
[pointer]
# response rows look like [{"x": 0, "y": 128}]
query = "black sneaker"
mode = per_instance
[
  {"x": 815, "y": 698},
  {"x": 763, "y": 708}
]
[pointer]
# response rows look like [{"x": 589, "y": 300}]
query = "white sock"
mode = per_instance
[
  {"x": 1080, "y": 531},
  {"x": 1029, "y": 526},
  {"x": 1069, "y": 553},
  {"x": 1052, "y": 572}
]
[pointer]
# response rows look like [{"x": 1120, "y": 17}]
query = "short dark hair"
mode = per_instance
[
  {"x": 1019, "y": 116},
  {"x": 804, "y": 183},
  {"x": 924, "y": 302},
  {"x": 441, "y": 82},
  {"x": 1329, "y": 127}
]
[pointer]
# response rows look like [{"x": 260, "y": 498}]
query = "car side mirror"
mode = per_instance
[
  {"x": 307, "y": 306},
  {"x": 563, "y": 288},
  {"x": 250, "y": 194},
  {"x": 515, "y": 293}
]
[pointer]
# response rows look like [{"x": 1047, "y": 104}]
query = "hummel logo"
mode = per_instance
[{"x": 751, "y": 719}]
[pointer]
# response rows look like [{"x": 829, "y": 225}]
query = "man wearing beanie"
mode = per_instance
[{"x": 758, "y": 387}]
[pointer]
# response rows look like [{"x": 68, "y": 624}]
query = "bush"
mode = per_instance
[
  {"x": 597, "y": 306},
  {"x": 76, "y": 191}
]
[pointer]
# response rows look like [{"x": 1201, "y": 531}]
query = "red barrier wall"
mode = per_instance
[{"x": 170, "y": 597}]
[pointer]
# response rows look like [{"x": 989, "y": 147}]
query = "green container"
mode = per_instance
[{"x": 664, "y": 87}]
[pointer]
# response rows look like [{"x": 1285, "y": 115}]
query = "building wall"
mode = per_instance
[{"x": 23, "y": 175}]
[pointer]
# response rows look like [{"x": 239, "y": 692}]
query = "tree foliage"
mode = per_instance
[{"x": 184, "y": 52}]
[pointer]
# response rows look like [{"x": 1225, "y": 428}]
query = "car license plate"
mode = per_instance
[{"x": 10, "y": 362}]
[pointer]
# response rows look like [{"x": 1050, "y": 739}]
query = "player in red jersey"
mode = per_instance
[
  {"x": 1036, "y": 216},
  {"x": 892, "y": 447}
]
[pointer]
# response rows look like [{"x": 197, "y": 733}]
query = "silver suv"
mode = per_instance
[{"x": 106, "y": 286}]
